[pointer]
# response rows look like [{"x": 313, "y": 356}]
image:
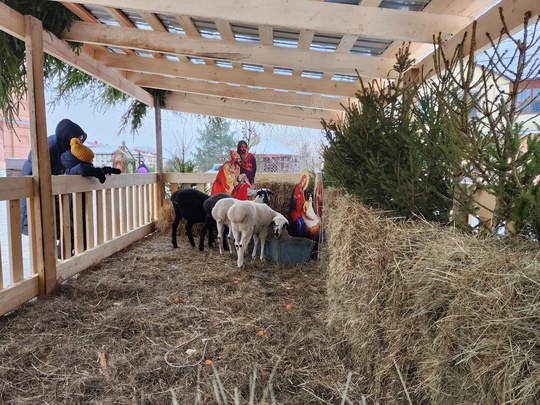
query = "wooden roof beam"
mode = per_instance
[
  {"x": 224, "y": 75},
  {"x": 321, "y": 17},
  {"x": 134, "y": 38},
  {"x": 12, "y": 22},
  {"x": 238, "y": 92},
  {"x": 250, "y": 111}
]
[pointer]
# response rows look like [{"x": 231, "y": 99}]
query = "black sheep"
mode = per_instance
[
  {"x": 188, "y": 205},
  {"x": 210, "y": 222}
]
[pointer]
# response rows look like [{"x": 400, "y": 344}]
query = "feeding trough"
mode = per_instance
[{"x": 289, "y": 250}]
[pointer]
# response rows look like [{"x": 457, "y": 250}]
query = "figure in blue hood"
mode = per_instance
[{"x": 58, "y": 144}]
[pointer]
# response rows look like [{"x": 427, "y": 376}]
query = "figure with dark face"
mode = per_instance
[{"x": 248, "y": 164}]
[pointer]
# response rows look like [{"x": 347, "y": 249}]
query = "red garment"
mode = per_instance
[{"x": 240, "y": 191}]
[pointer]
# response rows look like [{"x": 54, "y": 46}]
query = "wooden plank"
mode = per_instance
[
  {"x": 346, "y": 64},
  {"x": 100, "y": 218},
  {"x": 116, "y": 215},
  {"x": 335, "y": 19},
  {"x": 108, "y": 215},
  {"x": 489, "y": 22},
  {"x": 67, "y": 184},
  {"x": 77, "y": 264},
  {"x": 130, "y": 204},
  {"x": 223, "y": 75},
  {"x": 238, "y": 92},
  {"x": 16, "y": 267},
  {"x": 12, "y": 22},
  {"x": 65, "y": 227},
  {"x": 78, "y": 223},
  {"x": 12, "y": 188},
  {"x": 159, "y": 154},
  {"x": 123, "y": 219},
  {"x": 41, "y": 166},
  {"x": 252, "y": 111},
  {"x": 89, "y": 219},
  {"x": 15, "y": 295}
]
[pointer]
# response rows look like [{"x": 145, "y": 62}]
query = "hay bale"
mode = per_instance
[
  {"x": 430, "y": 314},
  {"x": 165, "y": 217},
  {"x": 282, "y": 194}
]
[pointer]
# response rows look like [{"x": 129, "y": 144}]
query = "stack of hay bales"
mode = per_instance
[{"x": 431, "y": 315}]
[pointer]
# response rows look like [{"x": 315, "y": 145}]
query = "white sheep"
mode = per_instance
[
  {"x": 221, "y": 207},
  {"x": 248, "y": 219},
  {"x": 219, "y": 212}
]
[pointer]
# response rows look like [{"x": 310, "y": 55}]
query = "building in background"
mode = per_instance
[
  {"x": 14, "y": 143},
  {"x": 274, "y": 157}
]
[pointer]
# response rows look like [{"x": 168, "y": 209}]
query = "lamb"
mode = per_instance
[
  {"x": 221, "y": 207},
  {"x": 188, "y": 205},
  {"x": 248, "y": 219},
  {"x": 210, "y": 222}
]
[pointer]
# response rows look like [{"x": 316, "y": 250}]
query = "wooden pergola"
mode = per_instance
[
  {"x": 288, "y": 62},
  {"x": 281, "y": 61}
]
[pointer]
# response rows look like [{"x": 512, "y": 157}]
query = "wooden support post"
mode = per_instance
[
  {"x": 159, "y": 156},
  {"x": 41, "y": 163}
]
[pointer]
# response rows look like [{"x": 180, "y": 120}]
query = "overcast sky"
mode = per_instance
[{"x": 105, "y": 127}]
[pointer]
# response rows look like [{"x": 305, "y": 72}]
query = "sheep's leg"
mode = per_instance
[
  {"x": 189, "y": 232},
  {"x": 220, "y": 235},
  {"x": 241, "y": 239},
  {"x": 255, "y": 244},
  {"x": 246, "y": 237},
  {"x": 205, "y": 228},
  {"x": 211, "y": 228},
  {"x": 230, "y": 242},
  {"x": 262, "y": 237},
  {"x": 177, "y": 218}
]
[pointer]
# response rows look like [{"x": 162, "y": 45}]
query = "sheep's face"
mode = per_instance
[
  {"x": 263, "y": 196},
  {"x": 279, "y": 223}
]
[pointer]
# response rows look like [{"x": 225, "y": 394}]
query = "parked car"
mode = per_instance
[{"x": 215, "y": 168}]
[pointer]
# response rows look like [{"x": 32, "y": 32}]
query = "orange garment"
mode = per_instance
[{"x": 226, "y": 176}]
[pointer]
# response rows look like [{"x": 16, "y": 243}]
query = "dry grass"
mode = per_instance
[
  {"x": 431, "y": 315},
  {"x": 117, "y": 335}
]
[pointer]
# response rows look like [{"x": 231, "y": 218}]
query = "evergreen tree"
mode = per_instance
[
  {"x": 215, "y": 141},
  {"x": 380, "y": 153}
]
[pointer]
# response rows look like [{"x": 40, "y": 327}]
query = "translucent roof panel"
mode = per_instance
[
  {"x": 416, "y": 5},
  {"x": 170, "y": 23},
  {"x": 311, "y": 75},
  {"x": 136, "y": 19},
  {"x": 353, "y": 2},
  {"x": 207, "y": 29},
  {"x": 324, "y": 43},
  {"x": 101, "y": 15},
  {"x": 287, "y": 39},
  {"x": 252, "y": 68},
  {"x": 245, "y": 33},
  {"x": 370, "y": 47}
]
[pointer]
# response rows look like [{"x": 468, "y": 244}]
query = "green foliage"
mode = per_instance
[
  {"x": 55, "y": 18},
  {"x": 215, "y": 142},
  {"x": 136, "y": 112},
  {"x": 381, "y": 154},
  {"x": 483, "y": 118},
  {"x": 179, "y": 165}
]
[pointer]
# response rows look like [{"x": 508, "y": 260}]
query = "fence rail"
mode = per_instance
[{"x": 94, "y": 221}]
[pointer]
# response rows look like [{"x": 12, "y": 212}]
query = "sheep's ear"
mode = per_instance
[
  {"x": 286, "y": 226},
  {"x": 270, "y": 192}
]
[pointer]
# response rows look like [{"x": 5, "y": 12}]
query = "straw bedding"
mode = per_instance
[{"x": 395, "y": 312}]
